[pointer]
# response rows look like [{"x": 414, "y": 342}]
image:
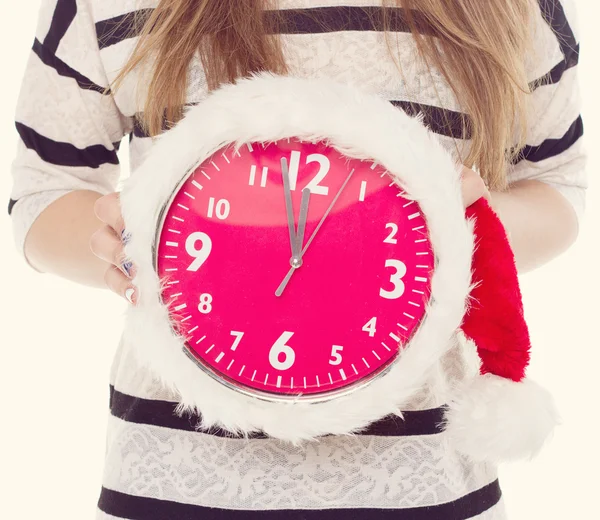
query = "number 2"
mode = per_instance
[
  {"x": 391, "y": 238},
  {"x": 396, "y": 279}
]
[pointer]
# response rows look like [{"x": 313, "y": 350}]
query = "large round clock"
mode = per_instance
[
  {"x": 303, "y": 258},
  {"x": 292, "y": 270}
]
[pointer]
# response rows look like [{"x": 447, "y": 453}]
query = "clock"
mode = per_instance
[
  {"x": 291, "y": 270},
  {"x": 303, "y": 258}
]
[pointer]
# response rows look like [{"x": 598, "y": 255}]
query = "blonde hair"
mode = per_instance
[{"x": 479, "y": 48}]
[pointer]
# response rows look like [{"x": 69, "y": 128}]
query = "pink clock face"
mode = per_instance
[{"x": 309, "y": 308}]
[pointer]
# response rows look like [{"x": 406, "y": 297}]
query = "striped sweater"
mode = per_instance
[{"x": 157, "y": 465}]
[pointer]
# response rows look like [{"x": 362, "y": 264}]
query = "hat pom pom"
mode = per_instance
[{"x": 494, "y": 418}]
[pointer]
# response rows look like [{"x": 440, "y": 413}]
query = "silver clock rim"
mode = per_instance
[{"x": 234, "y": 385}]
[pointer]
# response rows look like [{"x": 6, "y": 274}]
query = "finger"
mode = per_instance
[
  {"x": 107, "y": 246},
  {"x": 473, "y": 187},
  {"x": 108, "y": 210},
  {"x": 117, "y": 282}
]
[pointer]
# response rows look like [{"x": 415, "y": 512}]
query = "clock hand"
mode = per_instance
[
  {"x": 296, "y": 260},
  {"x": 302, "y": 220},
  {"x": 283, "y": 284},
  {"x": 337, "y": 195},
  {"x": 285, "y": 173}
]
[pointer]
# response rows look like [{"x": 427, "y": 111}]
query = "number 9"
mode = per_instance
[{"x": 199, "y": 255}]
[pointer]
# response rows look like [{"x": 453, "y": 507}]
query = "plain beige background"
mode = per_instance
[{"x": 58, "y": 340}]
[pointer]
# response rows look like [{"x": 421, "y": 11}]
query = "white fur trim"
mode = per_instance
[
  {"x": 269, "y": 108},
  {"x": 495, "y": 419}
]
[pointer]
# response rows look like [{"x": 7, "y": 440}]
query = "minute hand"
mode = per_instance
[{"x": 289, "y": 274}]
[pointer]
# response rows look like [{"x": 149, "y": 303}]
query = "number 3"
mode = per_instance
[{"x": 396, "y": 279}]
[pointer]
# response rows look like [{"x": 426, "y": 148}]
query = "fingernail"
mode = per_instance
[
  {"x": 126, "y": 268},
  {"x": 125, "y": 236},
  {"x": 129, "y": 294}
]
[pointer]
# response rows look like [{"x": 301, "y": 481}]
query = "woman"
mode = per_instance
[{"x": 496, "y": 80}]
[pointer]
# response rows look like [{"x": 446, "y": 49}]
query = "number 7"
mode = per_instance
[{"x": 238, "y": 338}]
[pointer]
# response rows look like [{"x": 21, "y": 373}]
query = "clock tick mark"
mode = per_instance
[
  {"x": 170, "y": 257},
  {"x": 278, "y": 381},
  {"x": 225, "y": 157},
  {"x": 171, "y": 269},
  {"x": 418, "y": 228},
  {"x": 415, "y": 304},
  {"x": 201, "y": 339},
  {"x": 178, "y": 218},
  {"x": 230, "y": 363},
  {"x": 420, "y": 279},
  {"x": 205, "y": 174},
  {"x": 173, "y": 282},
  {"x": 365, "y": 362},
  {"x": 305, "y": 382},
  {"x": 249, "y": 146},
  {"x": 219, "y": 357},
  {"x": 330, "y": 378},
  {"x": 253, "y": 376},
  {"x": 343, "y": 374},
  {"x": 209, "y": 349},
  {"x": 354, "y": 368},
  {"x": 189, "y": 195},
  {"x": 183, "y": 207},
  {"x": 423, "y": 253},
  {"x": 373, "y": 166},
  {"x": 402, "y": 327},
  {"x": 292, "y": 382},
  {"x": 394, "y": 337},
  {"x": 197, "y": 184},
  {"x": 318, "y": 384},
  {"x": 408, "y": 315},
  {"x": 418, "y": 292},
  {"x": 423, "y": 266},
  {"x": 181, "y": 307},
  {"x": 266, "y": 379},
  {"x": 174, "y": 231},
  {"x": 176, "y": 295},
  {"x": 242, "y": 371},
  {"x": 420, "y": 241},
  {"x": 173, "y": 244},
  {"x": 216, "y": 167},
  {"x": 185, "y": 319},
  {"x": 414, "y": 215},
  {"x": 363, "y": 190},
  {"x": 192, "y": 330},
  {"x": 375, "y": 354},
  {"x": 408, "y": 204}
]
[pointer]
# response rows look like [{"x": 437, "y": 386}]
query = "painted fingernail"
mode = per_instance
[
  {"x": 129, "y": 295},
  {"x": 126, "y": 268},
  {"x": 125, "y": 236}
]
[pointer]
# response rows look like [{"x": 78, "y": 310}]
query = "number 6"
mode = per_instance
[{"x": 280, "y": 347}]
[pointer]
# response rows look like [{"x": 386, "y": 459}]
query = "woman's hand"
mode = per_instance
[
  {"x": 473, "y": 187},
  {"x": 107, "y": 244}
]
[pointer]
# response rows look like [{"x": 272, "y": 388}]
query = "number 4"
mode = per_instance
[{"x": 370, "y": 327}]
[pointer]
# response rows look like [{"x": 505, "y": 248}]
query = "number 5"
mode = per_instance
[
  {"x": 336, "y": 357},
  {"x": 396, "y": 279}
]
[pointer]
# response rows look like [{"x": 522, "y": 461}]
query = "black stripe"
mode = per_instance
[
  {"x": 120, "y": 28},
  {"x": 343, "y": 18},
  {"x": 557, "y": 72},
  {"x": 163, "y": 413},
  {"x": 285, "y": 21},
  {"x": 554, "y": 15},
  {"x": 132, "y": 507},
  {"x": 66, "y": 154},
  {"x": 439, "y": 120},
  {"x": 552, "y": 147},
  {"x": 63, "y": 17},
  {"x": 11, "y": 205},
  {"x": 62, "y": 69}
]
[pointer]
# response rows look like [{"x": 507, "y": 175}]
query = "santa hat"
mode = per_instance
[{"x": 500, "y": 414}]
